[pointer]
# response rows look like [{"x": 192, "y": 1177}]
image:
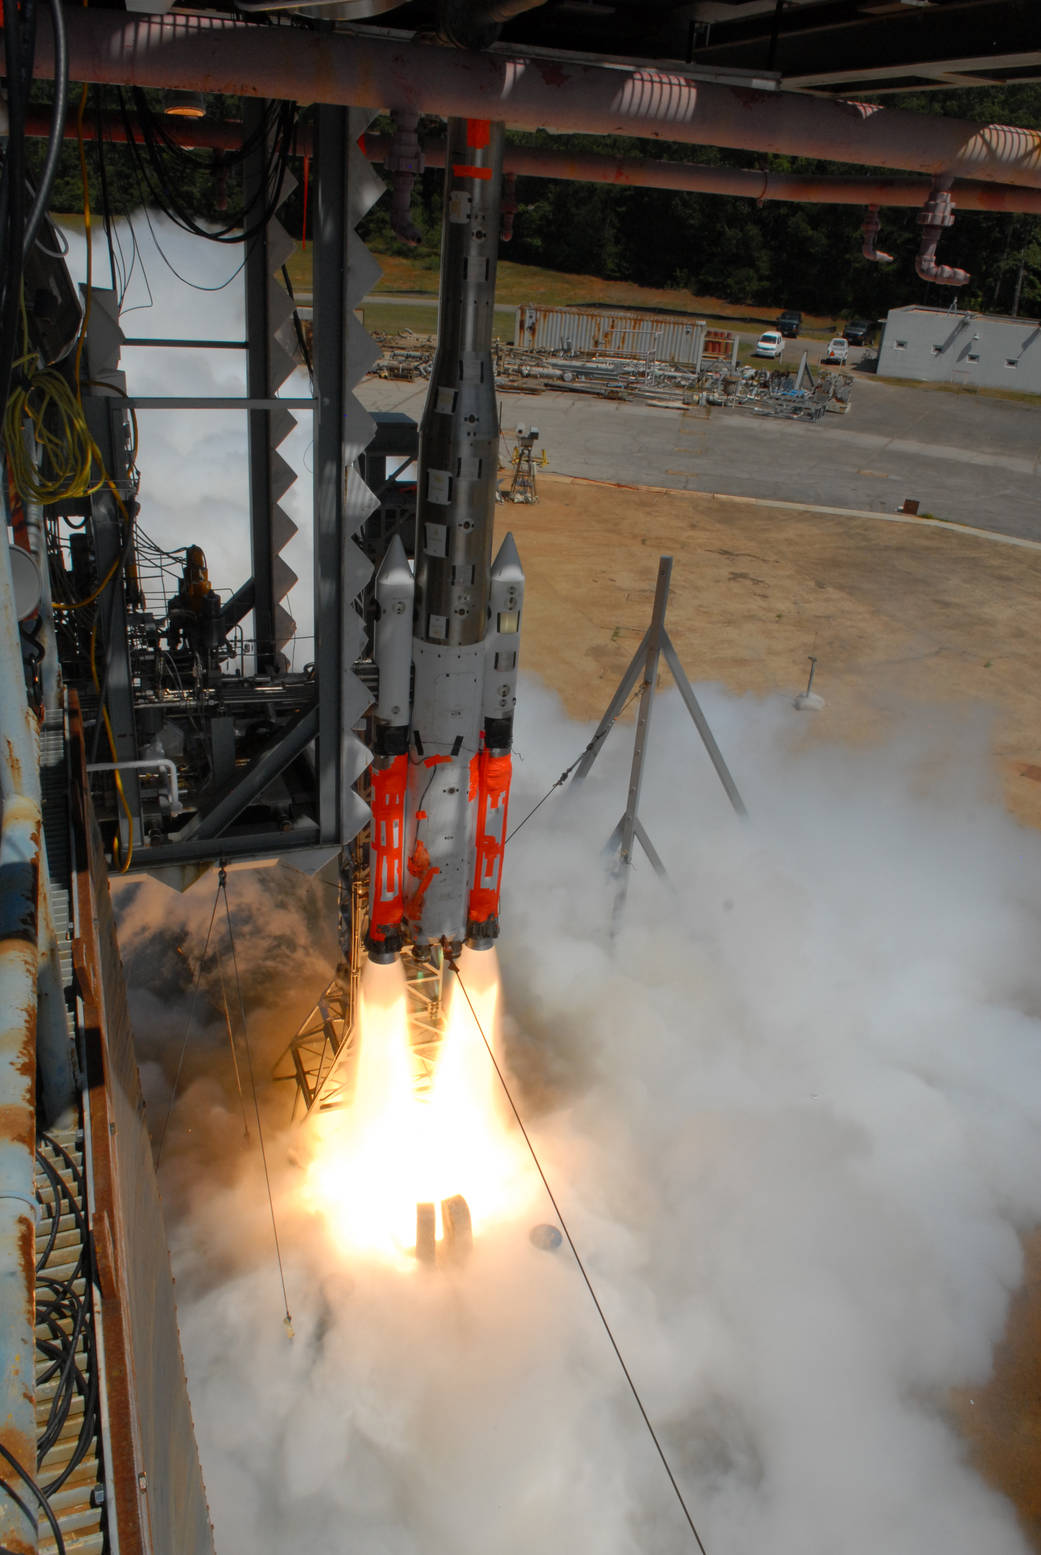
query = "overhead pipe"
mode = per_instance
[
  {"x": 746, "y": 183},
  {"x": 936, "y": 216},
  {"x": 870, "y": 229},
  {"x": 215, "y": 54},
  {"x": 629, "y": 172},
  {"x": 507, "y": 207},
  {"x": 403, "y": 160}
]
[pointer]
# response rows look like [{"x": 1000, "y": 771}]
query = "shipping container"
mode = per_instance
[{"x": 659, "y": 337}]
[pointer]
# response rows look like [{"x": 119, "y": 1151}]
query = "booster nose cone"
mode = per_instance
[
  {"x": 394, "y": 578},
  {"x": 506, "y": 568}
]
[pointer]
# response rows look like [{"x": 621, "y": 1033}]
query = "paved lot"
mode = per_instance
[{"x": 965, "y": 458}]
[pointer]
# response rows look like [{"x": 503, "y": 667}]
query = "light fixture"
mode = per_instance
[{"x": 184, "y": 105}]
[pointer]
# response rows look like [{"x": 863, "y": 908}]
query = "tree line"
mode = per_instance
[{"x": 773, "y": 255}]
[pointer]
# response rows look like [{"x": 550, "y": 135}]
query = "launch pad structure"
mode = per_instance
[{"x": 159, "y": 732}]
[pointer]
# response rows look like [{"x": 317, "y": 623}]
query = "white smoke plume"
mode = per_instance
[{"x": 791, "y": 1116}]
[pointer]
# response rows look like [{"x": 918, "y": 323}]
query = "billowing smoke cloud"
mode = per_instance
[{"x": 791, "y": 1115}]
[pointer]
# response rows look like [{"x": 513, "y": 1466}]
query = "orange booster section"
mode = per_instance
[
  {"x": 387, "y": 851},
  {"x": 493, "y": 799}
]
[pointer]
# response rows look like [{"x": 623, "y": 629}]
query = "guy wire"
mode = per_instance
[
  {"x": 581, "y": 1266},
  {"x": 597, "y": 740}
]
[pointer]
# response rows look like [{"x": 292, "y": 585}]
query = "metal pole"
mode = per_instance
[
  {"x": 652, "y": 657},
  {"x": 606, "y": 724},
  {"x": 701, "y": 722}
]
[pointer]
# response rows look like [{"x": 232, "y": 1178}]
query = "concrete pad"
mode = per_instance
[{"x": 901, "y": 616}]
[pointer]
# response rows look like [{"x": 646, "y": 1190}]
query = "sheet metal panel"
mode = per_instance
[
  {"x": 159, "y": 1494},
  {"x": 660, "y": 337}
]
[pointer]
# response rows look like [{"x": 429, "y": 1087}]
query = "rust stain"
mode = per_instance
[
  {"x": 105, "y": 1257},
  {"x": 18, "y": 1124},
  {"x": 27, "y": 1254},
  {"x": 82, "y": 972},
  {"x": 22, "y": 1448},
  {"x": 13, "y": 764},
  {"x": 751, "y": 99}
]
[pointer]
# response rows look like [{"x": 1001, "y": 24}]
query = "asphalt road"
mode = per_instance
[{"x": 965, "y": 458}]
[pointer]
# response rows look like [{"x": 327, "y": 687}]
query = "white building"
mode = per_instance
[{"x": 945, "y": 346}]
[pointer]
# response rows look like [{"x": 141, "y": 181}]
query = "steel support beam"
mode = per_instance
[
  {"x": 247, "y": 788},
  {"x": 629, "y": 828},
  {"x": 258, "y": 341},
  {"x": 330, "y": 377}
]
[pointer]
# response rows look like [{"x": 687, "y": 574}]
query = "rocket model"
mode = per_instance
[{"x": 446, "y": 642}]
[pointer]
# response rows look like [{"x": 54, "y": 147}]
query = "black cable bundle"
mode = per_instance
[
  {"x": 158, "y": 159},
  {"x": 17, "y": 229}
]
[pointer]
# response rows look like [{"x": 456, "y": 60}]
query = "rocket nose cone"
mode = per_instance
[
  {"x": 394, "y": 570},
  {"x": 507, "y": 563}
]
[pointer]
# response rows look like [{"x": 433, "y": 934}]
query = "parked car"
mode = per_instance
[
  {"x": 770, "y": 343},
  {"x": 790, "y": 323},
  {"x": 859, "y": 331},
  {"x": 837, "y": 352}
]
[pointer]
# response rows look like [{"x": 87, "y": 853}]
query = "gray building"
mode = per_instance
[{"x": 945, "y": 346}]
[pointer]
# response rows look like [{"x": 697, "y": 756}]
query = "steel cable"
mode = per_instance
[
  {"x": 597, "y": 740},
  {"x": 450, "y": 960}
]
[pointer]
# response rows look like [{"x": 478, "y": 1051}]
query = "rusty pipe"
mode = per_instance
[
  {"x": 213, "y": 54},
  {"x": 935, "y": 217},
  {"x": 746, "y": 183},
  {"x": 403, "y": 161},
  {"x": 596, "y": 168},
  {"x": 507, "y": 207},
  {"x": 870, "y": 228}
]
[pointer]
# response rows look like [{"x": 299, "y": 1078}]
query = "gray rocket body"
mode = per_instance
[{"x": 466, "y": 612}]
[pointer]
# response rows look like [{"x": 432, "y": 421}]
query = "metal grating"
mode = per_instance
[{"x": 69, "y": 1468}]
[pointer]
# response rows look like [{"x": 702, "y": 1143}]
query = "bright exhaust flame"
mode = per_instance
[
  {"x": 390, "y": 1149},
  {"x": 468, "y": 1147}
]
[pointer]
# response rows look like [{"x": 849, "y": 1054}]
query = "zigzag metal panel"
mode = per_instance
[{"x": 345, "y": 272}]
